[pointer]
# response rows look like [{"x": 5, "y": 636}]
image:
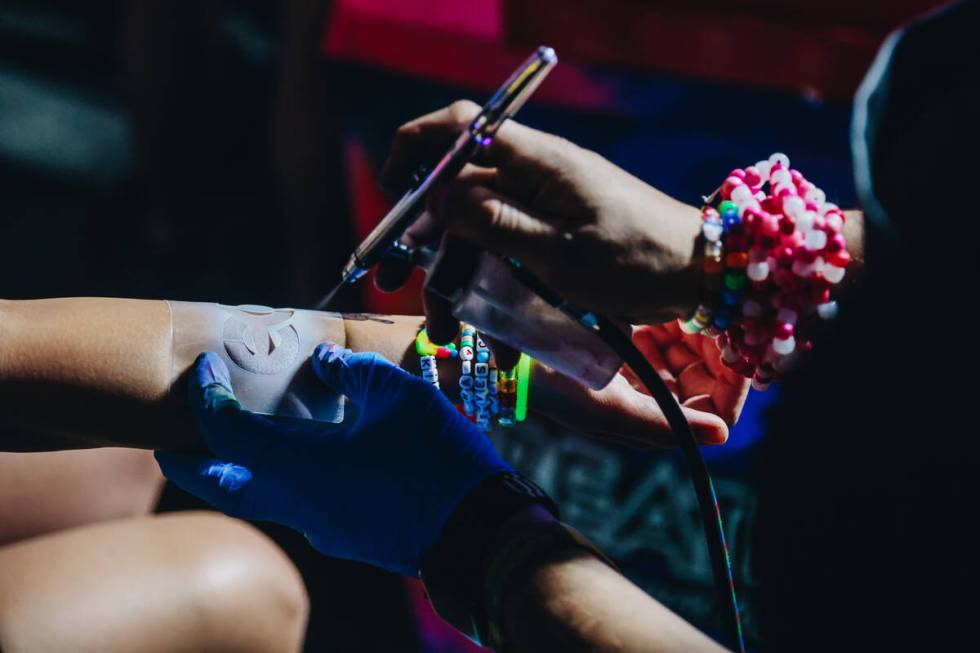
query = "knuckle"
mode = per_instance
[
  {"x": 500, "y": 214},
  {"x": 559, "y": 146},
  {"x": 461, "y": 112},
  {"x": 561, "y": 143}
]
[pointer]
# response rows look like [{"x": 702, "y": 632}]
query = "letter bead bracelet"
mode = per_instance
[{"x": 487, "y": 395}]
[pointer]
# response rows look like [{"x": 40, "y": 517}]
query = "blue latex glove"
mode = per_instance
[{"x": 377, "y": 491}]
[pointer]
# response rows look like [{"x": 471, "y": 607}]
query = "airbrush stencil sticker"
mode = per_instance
[
  {"x": 261, "y": 340},
  {"x": 267, "y": 351}
]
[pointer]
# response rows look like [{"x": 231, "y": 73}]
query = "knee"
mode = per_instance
[
  {"x": 248, "y": 594},
  {"x": 187, "y": 582}
]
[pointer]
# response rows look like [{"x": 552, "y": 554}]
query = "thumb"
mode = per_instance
[
  {"x": 225, "y": 486},
  {"x": 229, "y": 430},
  {"x": 364, "y": 378},
  {"x": 493, "y": 221}
]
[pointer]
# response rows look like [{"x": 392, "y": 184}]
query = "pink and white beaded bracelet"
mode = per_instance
[{"x": 774, "y": 249}]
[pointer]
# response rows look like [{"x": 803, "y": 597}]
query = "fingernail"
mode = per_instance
[
  {"x": 213, "y": 376},
  {"x": 211, "y": 369},
  {"x": 230, "y": 476},
  {"x": 713, "y": 436}
]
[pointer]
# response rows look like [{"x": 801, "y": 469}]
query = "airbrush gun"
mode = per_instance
[
  {"x": 495, "y": 295},
  {"x": 382, "y": 242}
]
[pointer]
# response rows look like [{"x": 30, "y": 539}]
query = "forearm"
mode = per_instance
[
  {"x": 574, "y": 602},
  {"x": 85, "y": 372},
  {"x": 521, "y": 581}
]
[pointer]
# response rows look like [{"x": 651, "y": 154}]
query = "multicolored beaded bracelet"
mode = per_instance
[
  {"x": 467, "y": 351},
  {"x": 523, "y": 386},
  {"x": 712, "y": 266},
  {"x": 777, "y": 254},
  {"x": 486, "y": 394},
  {"x": 482, "y": 386},
  {"x": 508, "y": 398},
  {"x": 429, "y": 353}
]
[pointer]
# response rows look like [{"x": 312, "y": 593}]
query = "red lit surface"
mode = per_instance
[{"x": 817, "y": 47}]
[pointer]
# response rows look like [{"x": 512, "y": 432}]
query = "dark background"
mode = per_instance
[{"x": 227, "y": 151}]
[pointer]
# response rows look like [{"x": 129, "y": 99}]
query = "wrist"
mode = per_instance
[
  {"x": 692, "y": 270},
  {"x": 528, "y": 549},
  {"x": 538, "y": 607},
  {"x": 854, "y": 237},
  {"x": 674, "y": 263},
  {"x": 455, "y": 569},
  {"x": 774, "y": 249},
  {"x": 680, "y": 294},
  {"x": 502, "y": 533}
]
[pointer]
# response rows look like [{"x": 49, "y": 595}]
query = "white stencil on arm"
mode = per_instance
[{"x": 267, "y": 352}]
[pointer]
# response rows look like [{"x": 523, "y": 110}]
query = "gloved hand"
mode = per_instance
[{"x": 377, "y": 491}]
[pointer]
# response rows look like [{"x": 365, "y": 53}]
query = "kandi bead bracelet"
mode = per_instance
[
  {"x": 487, "y": 395},
  {"x": 429, "y": 353},
  {"x": 773, "y": 250}
]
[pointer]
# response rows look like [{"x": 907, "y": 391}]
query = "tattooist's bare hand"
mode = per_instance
[{"x": 597, "y": 235}]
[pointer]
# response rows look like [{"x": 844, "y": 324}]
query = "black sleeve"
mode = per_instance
[{"x": 864, "y": 538}]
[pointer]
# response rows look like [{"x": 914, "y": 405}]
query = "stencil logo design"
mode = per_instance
[{"x": 260, "y": 339}]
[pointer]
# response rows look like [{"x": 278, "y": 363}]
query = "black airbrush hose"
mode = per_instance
[
  {"x": 703, "y": 487},
  {"x": 623, "y": 345}
]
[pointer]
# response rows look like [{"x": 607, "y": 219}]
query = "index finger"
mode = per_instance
[
  {"x": 528, "y": 154},
  {"x": 424, "y": 139}
]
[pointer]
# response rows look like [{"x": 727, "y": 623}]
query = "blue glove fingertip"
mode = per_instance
[
  {"x": 326, "y": 356},
  {"x": 210, "y": 383},
  {"x": 361, "y": 377},
  {"x": 209, "y": 368}
]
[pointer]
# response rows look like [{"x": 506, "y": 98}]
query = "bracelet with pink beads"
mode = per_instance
[{"x": 773, "y": 250}]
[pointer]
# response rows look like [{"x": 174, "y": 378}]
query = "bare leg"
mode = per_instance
[
  {"x": 45, "y": 493},
  {"x": 42, "y": 493},
  {"x": 190, "y": 582}
]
